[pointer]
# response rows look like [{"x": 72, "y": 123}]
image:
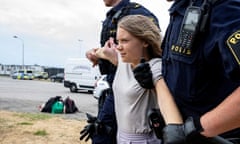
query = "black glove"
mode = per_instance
[
  {"x": 91, "y": 118},
  {"x": 192, "y": 129},
  {"x": 143, "y": 75},
  {"x": 184, "y": 133},
  {"x": 94, "y": 127},
  {"x": 174, "y": 134}
]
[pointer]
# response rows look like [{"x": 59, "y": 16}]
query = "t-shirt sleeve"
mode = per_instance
[{"x": 156, "y": 68}]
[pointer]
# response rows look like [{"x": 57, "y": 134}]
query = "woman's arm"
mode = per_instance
[{"x": 167, "y": 104}]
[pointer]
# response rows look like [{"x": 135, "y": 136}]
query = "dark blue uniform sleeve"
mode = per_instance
[
  {"x": 229, "y": 37},
  {"x": 201, "y": 80}
]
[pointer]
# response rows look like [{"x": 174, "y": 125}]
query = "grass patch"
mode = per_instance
[
  {"x": 25, "y": 123},
  {"x": 4, "y": 123},
  {"x": 3, "y": 120},
  {"x": 34, "y": 117},
  {"x": 40, "y": 133}
]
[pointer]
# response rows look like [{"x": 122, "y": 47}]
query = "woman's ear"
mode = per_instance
[{"x": 145, "y": 44}]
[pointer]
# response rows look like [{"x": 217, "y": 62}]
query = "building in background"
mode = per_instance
[{"x": 8, "y": 70}]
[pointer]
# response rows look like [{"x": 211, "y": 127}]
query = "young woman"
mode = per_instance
[{"x": 138, "y": 38}]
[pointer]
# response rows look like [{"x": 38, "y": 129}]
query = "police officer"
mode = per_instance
[
  {"x": 102, "y": 129},
  {"x": 201, "y": 64}
]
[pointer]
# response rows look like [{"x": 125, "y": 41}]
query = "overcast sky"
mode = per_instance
[{"x": 54, "y": 30}]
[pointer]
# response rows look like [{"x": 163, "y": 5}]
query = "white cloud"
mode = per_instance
[{"x": 56, "y": 25}]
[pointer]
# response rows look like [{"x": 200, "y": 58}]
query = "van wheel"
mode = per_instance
[
  {"x": 73, "y": 88},
  {"x": 90, "y": 91}
]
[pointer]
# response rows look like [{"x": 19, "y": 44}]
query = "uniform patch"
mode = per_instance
[{"x": 233, "y": 43}]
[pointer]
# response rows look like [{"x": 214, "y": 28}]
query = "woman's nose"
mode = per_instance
[{"x": 119, "y": 47}]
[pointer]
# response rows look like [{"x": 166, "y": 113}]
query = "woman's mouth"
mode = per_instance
[{"x": 123, "y": 54}]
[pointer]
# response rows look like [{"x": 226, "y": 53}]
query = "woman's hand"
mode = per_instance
[
  {"x": 91, "y": 55},
  {"x": 108, "y": 52}
]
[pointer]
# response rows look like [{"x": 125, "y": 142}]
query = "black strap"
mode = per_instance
[
  {"x": 124, "y": 11},
  {"x": 213, "y": 1}
]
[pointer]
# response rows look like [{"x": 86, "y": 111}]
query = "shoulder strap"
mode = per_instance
[
  {"x": 124, "y": 11},
  {"x": 207, "y": 8},
  {"x": 119, "y": 14},
  {"x": 213, "y": 1}
]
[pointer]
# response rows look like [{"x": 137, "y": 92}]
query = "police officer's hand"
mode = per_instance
[
  {"x": 143, "y": 75},
  {"x": 89, "y": 129},
  {"x": 91, "y": 118},
  {"x": 188, "y": 132},
  {"x": 94, "y": 127},
  {"x": 174, "y": 134},
  {"x": 192, "y": 129}
]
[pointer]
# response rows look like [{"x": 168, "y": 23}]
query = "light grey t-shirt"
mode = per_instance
[{"x": 132, "y": 102}]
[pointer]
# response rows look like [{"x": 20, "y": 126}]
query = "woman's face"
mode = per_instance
[{"x": 131, "y": 49}]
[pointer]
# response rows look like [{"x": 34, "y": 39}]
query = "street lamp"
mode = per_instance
[
  {"x": 80, "y": 47},
  {"x": 22, "y": 50}
]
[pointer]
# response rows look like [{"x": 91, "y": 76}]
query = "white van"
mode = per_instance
[{"x": 80, "y": 75}]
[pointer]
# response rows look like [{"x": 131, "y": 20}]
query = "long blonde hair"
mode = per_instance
[{"x": 145, "y": 29}]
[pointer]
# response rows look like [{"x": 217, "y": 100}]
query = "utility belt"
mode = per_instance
[{"x": 234, "y": 140}]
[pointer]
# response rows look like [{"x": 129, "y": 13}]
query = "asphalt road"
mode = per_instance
[{"x": 27, "y": 95}]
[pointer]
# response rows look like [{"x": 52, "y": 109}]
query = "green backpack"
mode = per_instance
[{"x": 57, "y": 107}]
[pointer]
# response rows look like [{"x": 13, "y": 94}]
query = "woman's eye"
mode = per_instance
[{"x": 124, "y": 41}]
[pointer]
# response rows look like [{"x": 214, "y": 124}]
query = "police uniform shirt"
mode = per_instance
[
  {"x": 109, "y": 26},
  {"x": 204, "y": 76},
  {"x": 132, "y": 102}
]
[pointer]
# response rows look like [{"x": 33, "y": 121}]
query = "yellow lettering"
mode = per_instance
[
  {"x": 176, "y": 48},
  {"x": 233, "y": 41},
  {"x": 180, "y": 49},
  {"x": 184, "y": 51},
  {"x": 237, "y": 36},
  {"x": 188, "y": 52}
]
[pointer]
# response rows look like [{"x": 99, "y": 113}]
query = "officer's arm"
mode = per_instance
[
  {"x": 167, "y": 104},
  {"x": 108, "y": 52},
  {"x": 225, "y": 117}
]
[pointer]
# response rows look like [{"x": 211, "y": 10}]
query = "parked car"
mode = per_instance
[
  {"x": 100, "y": 90},
  {"x": 41, "y": 75},
  {"x": 16, "y": 75},
  {"x": 27, "y": 76},
  {"x": 23, "y": 75},
  {"x": 101, "y": 85},
  {"x": 57, "y": 78}
]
